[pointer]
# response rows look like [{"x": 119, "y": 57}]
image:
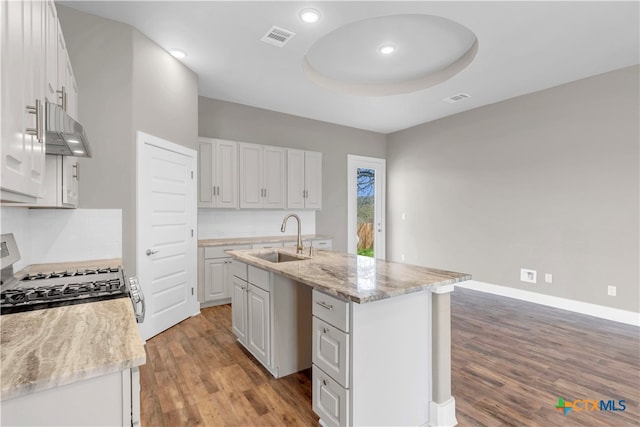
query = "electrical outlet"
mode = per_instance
[
  {"x": 548, "y": 278},
  {"x": 527, "y": 275},
  {"x": 611, "y": 291}
]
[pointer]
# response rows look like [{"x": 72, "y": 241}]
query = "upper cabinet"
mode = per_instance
[
  {"x": 217, "y": 173},
  {"x": 304, "y": 179},
  {"x": 35, "y": 70},
  {"x": 262, "y": 176},
  {"x": 22, "y": 164}
]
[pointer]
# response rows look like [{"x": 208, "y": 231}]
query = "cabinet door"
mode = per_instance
[
  {"x": 51, "y": 52},
  {"x": 205, "y": 174},
  {"x": 226, "y": 174},
  {"x": 251, "y": 188},
  {"x": 331, "y": 351},
  {"x": 295, "y": 179},
  {"x": 258, "y": 325},
  {"x": 313, "y": 180},
  {"x": 71, "y": 94},
  {"x": 22, "y": 165},
  {"x": 215, "y": 278},
  {"x": 275, "y": 179},
  {"x": 70, "y": 180},
  {"x": 239, "y": 309}
]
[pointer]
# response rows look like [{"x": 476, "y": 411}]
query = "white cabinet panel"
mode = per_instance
[
  {"x": 330, "y": 401},
  {"x": 262, "y": 176},
  {"x": 217, "y": 173},
  {"x": 216, "y": 273},
  {"x": 331, "y": 351},
  {"x": 304, "y": 179},
  {"x": 258, "y": 324},
  {"x": 239, "y": 309}
]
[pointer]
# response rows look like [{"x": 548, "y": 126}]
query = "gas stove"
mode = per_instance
[
  {"x": 55, "y": 289},
  {"x": 36, "y": 291}
]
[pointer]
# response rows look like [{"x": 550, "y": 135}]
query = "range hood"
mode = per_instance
[{"x": 64, "y": 135}]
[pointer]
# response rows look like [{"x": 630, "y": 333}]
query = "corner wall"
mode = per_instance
[
  {"x": 548, "y": 181},
  {"x": 126, "y": 83},
  {"x": 226, "y": 120}
]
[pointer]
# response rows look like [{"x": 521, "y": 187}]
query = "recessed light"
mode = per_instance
[
  {"x": 310, "y": 15},
  {"x": 177, "y": 53},
  {"x": 73, "y": 141},
  {"x": 78, "y": 151},
  {"x": 387, "y": 49}
]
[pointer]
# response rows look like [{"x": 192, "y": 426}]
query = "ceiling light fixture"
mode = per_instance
[
  {"x": 387, "y": 49},
  {"x": 310, "y": 15},
  {"x": 177, "y": 53},
  {"x": 78, "y": 151}
]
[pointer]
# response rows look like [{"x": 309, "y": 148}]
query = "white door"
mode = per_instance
[
  {"x": 313, "y": 180},
  {"x": 226, "y": 170},
  {"x": 366, "y": 206},
  {"x": 239, "y": 309},
  {"x": 258, "y": 336},
  {"x": 275, "y": 177},
  {"x": 166, "y": 232},
  {"x": 251, "y": 188},
  {"x": 295, "y": 179}
]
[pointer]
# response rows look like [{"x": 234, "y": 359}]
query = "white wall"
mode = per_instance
[
  {"x": 219, "y": 223},
  {"x": 60, "y": 235},
  {"x": 548, "y": 181}
]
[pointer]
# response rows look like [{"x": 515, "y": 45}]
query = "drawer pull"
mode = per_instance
[
  {"x": 325, "y": 382},
  {"x": 324, "y": 305}
]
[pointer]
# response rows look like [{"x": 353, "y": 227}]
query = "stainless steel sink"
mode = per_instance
[{"x": 277, "y": 257}]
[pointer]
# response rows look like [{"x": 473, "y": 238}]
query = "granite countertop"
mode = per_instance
[
  {"x": 47, "y": 348},
  {"x": 224, "y": 241},
  {"x": 357, "y": 278}
]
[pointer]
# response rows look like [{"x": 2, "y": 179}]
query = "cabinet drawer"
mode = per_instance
[
  {"x": 322, "y": 244},
  {"x": 219, "y": 251},
  {"x": 259, "y": 277},
  {"x": 331, "y": 351},
  {"x": 330, "y": 401},
  {"x": 266, "y": 245},
  {"x": 332, "y": 310},
  {"x": 239, "y": 269}
]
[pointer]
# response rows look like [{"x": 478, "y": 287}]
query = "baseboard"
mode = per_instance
[
  {"x": 443, "y": 414},
  {"x": 600, "y": 311}
]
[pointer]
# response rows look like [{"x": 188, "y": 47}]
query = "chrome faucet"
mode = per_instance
[{"x": 299, "y": 247}]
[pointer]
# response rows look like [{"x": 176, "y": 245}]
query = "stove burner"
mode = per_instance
[{"x": 54, "y": 275}]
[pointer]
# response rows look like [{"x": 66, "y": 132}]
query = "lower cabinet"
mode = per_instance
[
  {"x": 215, "y": 279},
  {"x": 270, "y": 317},
  {"x": 112, "y": 399}
]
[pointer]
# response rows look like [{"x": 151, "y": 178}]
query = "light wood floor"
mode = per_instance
[{"x": 511, "y": 361}]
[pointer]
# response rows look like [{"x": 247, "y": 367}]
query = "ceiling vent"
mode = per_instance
[
  {"x": 278, "y": 36},
  {"x": 456, "y": 98}
]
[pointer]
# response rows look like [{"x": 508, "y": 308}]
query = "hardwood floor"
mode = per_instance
[{"x": 511, "y": 361}]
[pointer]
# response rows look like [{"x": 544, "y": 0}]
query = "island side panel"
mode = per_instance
[
  {"x": 391, "y": 361},
  {"x": 443, "y": 408}
]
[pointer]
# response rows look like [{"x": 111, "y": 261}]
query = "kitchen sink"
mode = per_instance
[{"x": 277, "y": 257}]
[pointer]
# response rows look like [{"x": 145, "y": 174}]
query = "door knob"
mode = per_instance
[{"x": 150, "y": 252}]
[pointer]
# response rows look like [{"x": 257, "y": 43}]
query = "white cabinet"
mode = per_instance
[
  {"x": 215, "y": 279},
  {"x": 77, "y": 404},
  {"x": 239, "y": 308},
  {"x": 304, "y": 179},
  {"x": 22, "y": 86},
  {"x": 258, "y": 324},
  {"x": 217, "y": 173},
  {"x": 262, "y": 176}
]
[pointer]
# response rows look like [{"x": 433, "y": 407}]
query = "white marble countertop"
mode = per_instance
[
  {"x": 225, "y": 241},
  {"x": 47, "y": 348},
  {"x": 357, "y": 278}
]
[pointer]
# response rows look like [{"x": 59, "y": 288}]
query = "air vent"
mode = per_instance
[
  {"x": 277, "y": 36},
  {"x": 456, "y": 98}
]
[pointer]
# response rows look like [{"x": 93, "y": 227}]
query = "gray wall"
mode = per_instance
[
  {"x": 548, "y": 181},
  {"x": 219, "y": 119},
  {"x": 126, "y": 83}
]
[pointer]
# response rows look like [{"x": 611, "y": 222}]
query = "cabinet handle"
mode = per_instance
[
  {"x": 325, "y": 330},
  {"x": 37, "y": 111},
  {"x": 77, "y": 169},
  {"x": 325, "y": 382},
  {"x": 217, "y": 190},
  {"x": 324, "y": 305},
  {"x": 63, "y": 98}
]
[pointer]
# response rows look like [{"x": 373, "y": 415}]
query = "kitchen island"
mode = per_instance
[{"x": 376, "y": 333}]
